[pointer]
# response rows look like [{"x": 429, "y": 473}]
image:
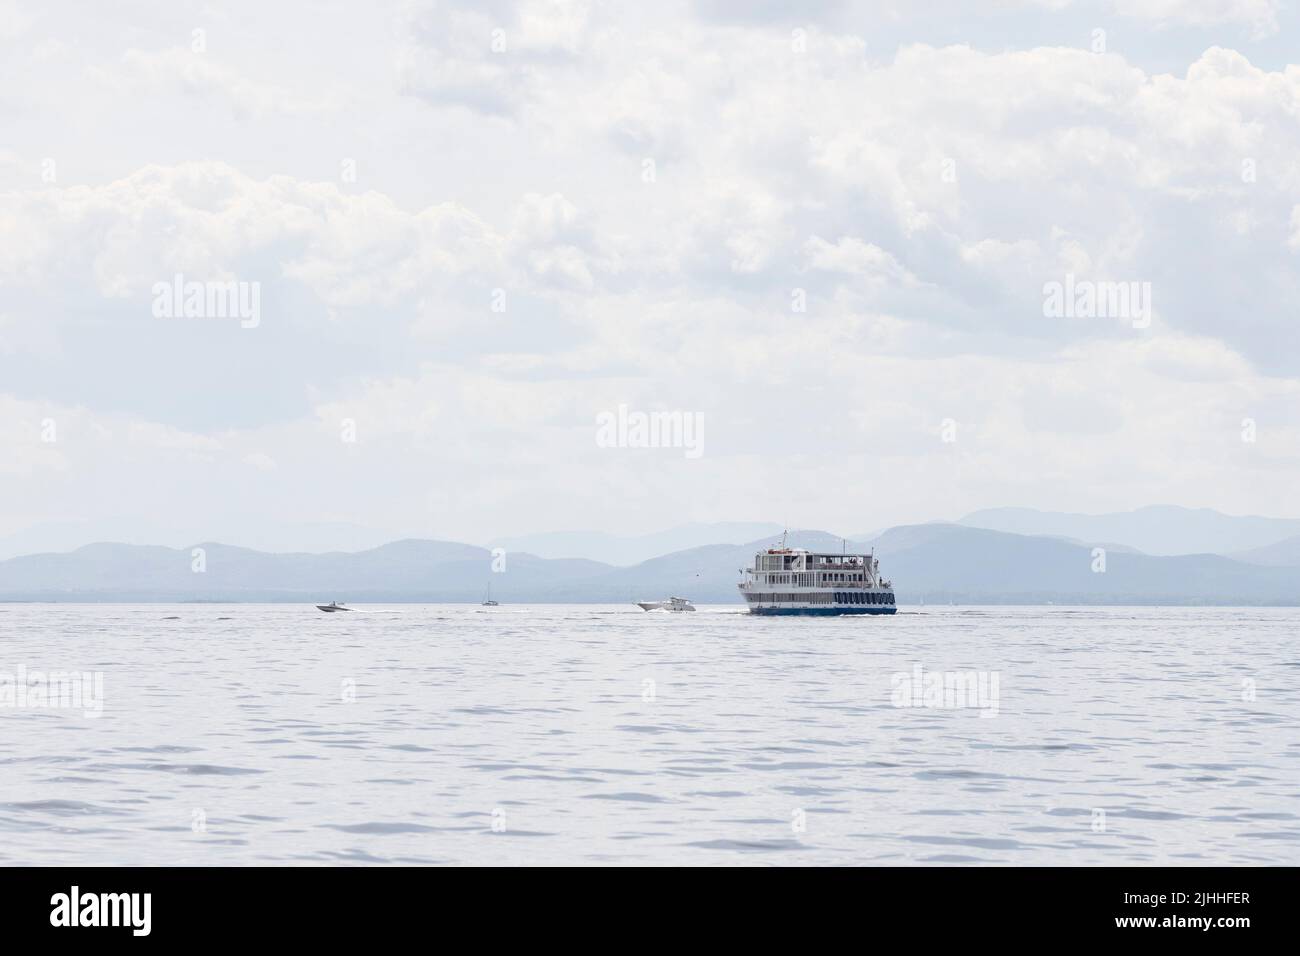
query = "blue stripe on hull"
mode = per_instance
[{"x": 823, "y": 611}]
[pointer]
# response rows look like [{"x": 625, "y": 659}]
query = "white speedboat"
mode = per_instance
[
  {"x": 332, "y": 607},
  {"x": 674, "y": 604}
]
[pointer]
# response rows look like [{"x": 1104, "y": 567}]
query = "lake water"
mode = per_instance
[{"x": 244, "y": 734}]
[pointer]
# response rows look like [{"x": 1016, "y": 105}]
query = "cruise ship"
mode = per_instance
[{"x": 795, "y": 581}]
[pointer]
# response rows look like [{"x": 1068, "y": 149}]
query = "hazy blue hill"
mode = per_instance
[
  {"x": 1155, "y": 530},
  {"x": 625, "y": 550},
  {"x": 708, "y": 574},
  {"x": 811, "y": 540},
  {"x": 1283, "y": 554},
  {"x": 96, "y": 566},
  {"x": 269, "y": 536}
]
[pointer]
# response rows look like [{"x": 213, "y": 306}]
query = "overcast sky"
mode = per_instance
[{"x": 476, "y": 227}]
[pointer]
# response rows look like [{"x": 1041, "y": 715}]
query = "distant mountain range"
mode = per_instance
[
  {"x": 1159, "y": 529},
  {"x": 1284, "y": 553},
  {"x": 262, "y": 535},
  {"x": 929, "y": 562}
]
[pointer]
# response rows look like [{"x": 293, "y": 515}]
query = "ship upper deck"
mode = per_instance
[{"x": 790, "y": 559}]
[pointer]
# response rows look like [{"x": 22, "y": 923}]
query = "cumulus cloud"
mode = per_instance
[
  {"x": 488, "y": 57},
  {"x": 853, "y": 256}
]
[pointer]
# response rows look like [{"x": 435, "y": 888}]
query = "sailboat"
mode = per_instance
[{"x": 487, "y": 597}]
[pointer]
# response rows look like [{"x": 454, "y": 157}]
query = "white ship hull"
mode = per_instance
[{"x": 833, "y": 609}]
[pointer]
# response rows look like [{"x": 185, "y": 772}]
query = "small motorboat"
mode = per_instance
[
  {"x": 674, "y": 604},
  {"x": 332, "y": 607}
]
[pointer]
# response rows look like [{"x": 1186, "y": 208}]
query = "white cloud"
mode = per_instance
[
  {"x": 488, "y": 57},
  {"x": 853, "y": 256},
  {"x": 14, "y": 20}
]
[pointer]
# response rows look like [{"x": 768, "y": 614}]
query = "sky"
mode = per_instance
[{"x": 826, "y": 236}]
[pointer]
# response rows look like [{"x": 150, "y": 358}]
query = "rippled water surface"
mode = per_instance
[{"x": 248, "y": 734}]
